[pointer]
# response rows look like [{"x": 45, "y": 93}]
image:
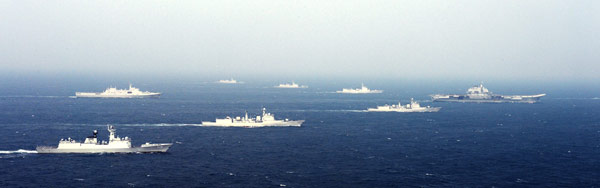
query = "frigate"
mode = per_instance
[
  {"x": 362, "y": 90},
  {"x": 115, "y": 144},
  {"x": 292, "y": 85},
  {"x": 266, "y": 120},
  {"x": 413, "y": 106},
  {"x": 230, "y": 81},
  {"x": 481, "y": 94},
  {"x": 113, "y": 92}
]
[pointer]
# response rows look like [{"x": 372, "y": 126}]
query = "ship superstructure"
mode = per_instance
[
  {"x": 266, "y": 120},
  {"x": 362, "y": 90},
  {"x": 113, "y": 92},
  {"x": 481, "y": 94},
  {"x": 413, "y": 106},
  {"x": 115, "y": 144},
  {"x": 292, "y": 85}
]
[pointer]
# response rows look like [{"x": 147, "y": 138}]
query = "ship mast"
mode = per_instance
[{"x": 112, "y": 131}]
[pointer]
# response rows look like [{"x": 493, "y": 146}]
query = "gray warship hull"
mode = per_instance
[
  {"x": 158, "y": 148},
  {"x": 491, "y": 99},
  {"x": 480, "y": 94}
]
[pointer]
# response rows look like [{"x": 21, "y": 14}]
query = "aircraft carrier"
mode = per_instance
[{"x": 480, "y": 94}]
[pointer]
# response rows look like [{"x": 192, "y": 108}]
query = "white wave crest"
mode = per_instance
[{"x": 18, "y": 151}]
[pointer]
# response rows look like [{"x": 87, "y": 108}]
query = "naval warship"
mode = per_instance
[
  {"x": 292, "y": 85},
  {"x": 230, "y": 81},
  {"x": 481, "y": 94},
  {"x": 412, "y": 107},
  {"x": 113, "y": 92},
  {"x": 266, "y": 120},
  {"x": 360, "y": 90},
  {"x": 115, "y": 144}
]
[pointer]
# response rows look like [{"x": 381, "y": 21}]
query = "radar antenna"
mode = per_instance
[{"x": 111, "y": 130}]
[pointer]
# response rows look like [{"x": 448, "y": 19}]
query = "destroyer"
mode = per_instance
[
  {"x": 266, "y": 120},
  {"x": 361, "y": 90},
  {"x": 115, "y": 144},
  {"x": 292, "y": 85},
  {"x": 481, "y": 94},
  {"x": 412, "y": 107},
  {"x": 113, "y": 92}
]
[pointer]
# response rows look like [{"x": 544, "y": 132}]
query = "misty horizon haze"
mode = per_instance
[{"x": 430, "y": 40}]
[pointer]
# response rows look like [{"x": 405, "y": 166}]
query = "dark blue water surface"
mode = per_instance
[{"x": 555, "y": 143}]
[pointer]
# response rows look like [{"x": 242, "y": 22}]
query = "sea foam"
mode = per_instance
[{"x": 18, "y": 151}]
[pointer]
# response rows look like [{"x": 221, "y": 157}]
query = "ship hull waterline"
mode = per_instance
[
  {"x": 297, "y": 123},
  {"x": 486, "y": 101},
  {"x": 116, "y": 96},
  {"x": 435, "y": 109},
  {"x": 359, "y": 92},
  {"x": 162, "y": 148}
]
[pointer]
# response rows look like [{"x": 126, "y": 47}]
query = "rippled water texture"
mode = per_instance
[{"x": 554, "y": 143}]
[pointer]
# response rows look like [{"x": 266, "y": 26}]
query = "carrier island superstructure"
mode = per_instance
[
  {"x": 115, "y": 144},
  {"x": 266, "y": 120},
  {"x": 113, "y": 92},
  {"x": 481, "y": 94}
]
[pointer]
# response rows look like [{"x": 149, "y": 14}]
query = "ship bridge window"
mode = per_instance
[{"x": 129, "y": 92}]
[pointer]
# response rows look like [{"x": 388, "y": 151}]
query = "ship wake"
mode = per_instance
[
  {"x": 329, "y": 110},
  {"x": 32, "y": 96},
  {"x": 160, "y": 125},
  {"x": 17, "y": 151}
]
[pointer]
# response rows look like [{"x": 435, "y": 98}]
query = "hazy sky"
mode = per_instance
[{"x": 534, "y": 40}]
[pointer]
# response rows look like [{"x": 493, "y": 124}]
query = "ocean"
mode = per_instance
[{"x": 554, "y": 143}]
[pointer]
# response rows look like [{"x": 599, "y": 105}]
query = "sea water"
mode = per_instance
[{"x": 554, "y": 143}]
